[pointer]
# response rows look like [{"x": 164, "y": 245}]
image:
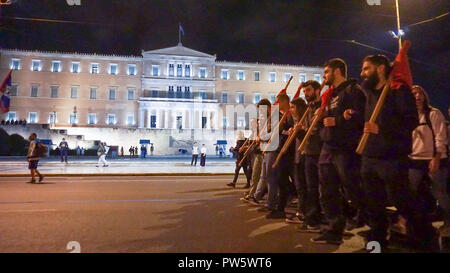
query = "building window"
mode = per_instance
[
  {"x": 111, "y": 119},
  {"x": 36, "y": 65},
  {"x": 52, "y": 118},
  {"x": 202, "y": 72},
  {"x": 132, "y": 69},
  {"x": 155, "y": 94},
  {"x": 179, "y": 70},
  {"x": 15, "y": 64},
  {"x": 32, "y": 117},
  {"x": 130, "y": 119},
  {"x": 187, "y": 92},
  {"x": 54, "y": 91},
  {"x": 14, "y": 90},
  {"x": 272, "y": 76},
  {"x": 224, "y": 74},
  {"x": 272, "y": 98},
  {"x": 155, "y": 70},
  {"x": 241, "y": 122},
  {"x": 93, "y": 93},
  {"x": 92, "y": 118},
  {"x": 130, "y": 94},
  {"x": 95, "y": 68},
  {"x": 224, "y": 98},
  {"x": 113, "y": 69},
  {"x": 302, "y": 77},
  {"x": 240, "y": 75},
  {"x": 203, "y": 95},
  {"x": 287, "y": 76},
  {"x": 179, "y": 92},
  {"x": 74, "y": 92},
  {"x": 318, "y": 78},
  {"x": 171, "y": 70},
  {"x": 187, "y": 70},
  {"x": 56, "y": 66},
  {"x": 11, "y": 116},
  {"x": 112, "y": 94},
  {"x": 204, "y": 121},
  {"x": 171, "y": 93},
  {"x": 34, "y": 91},
  {"x": 256, "y": 98},
  {"x": 224, "y": 122},
  {"x": 152, "y": 121},
  {"x": 75, "y": 67},
  {"x": 240, "y": 97},
  {"x": 73, "y": 118},
  {"x": 256, "y": 74}
]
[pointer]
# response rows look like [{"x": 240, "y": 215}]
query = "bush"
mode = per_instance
[{"x": 19, "y": 145}]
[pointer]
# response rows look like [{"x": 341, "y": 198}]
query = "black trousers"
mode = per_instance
[
  {"x": 379, "y": 175},
  {"x": 202, "y": 160},
  {"x": 300, "y": 184},
  {"x": 340, "y": 179},
  {"x": 194, "y": 160},
  {"x": 312, "y": 202},
  {"x": 283, "y": 171},
  {"x": 247, "y": 172}
]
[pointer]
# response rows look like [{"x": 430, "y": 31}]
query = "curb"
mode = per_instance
[{"x": 117, "y": 174}]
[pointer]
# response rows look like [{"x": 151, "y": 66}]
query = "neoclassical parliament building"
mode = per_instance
[{"x": 169, "y": 97}]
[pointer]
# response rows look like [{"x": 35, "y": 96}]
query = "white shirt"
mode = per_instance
[
  {"x": 203, "y": 150},
  {"x": 195, "y": 150}
]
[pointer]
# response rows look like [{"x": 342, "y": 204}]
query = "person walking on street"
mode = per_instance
[
  {"x": 203, "y": 156},
  {"x": 33, "y": 158},
  {"x": 152, "y": 149},
  {"x": 136, "y": 154},
  {"x": 194, "y": 154},
  {"x": 63, "y": 150},
  {"x": 102, "y": 152}
]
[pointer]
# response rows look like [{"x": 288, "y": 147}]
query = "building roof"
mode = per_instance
[{"x": 179, "y": 50}]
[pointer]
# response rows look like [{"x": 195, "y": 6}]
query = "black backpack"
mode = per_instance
[{"x": 430, "y": 125}]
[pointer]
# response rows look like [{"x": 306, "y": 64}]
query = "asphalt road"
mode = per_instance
[{"x": 143, "y": 214}]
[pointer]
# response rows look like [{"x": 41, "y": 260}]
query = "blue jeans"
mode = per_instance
[
  {"x": 417, "y": 174},
  {"x": 312, "y": 203},
  {"x": 270, "y": 175}
]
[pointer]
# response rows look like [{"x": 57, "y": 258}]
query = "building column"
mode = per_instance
[
  {"x": 166, "y": 118},
  {"x": 141, "y": 118},
  {"x": 208, "y": 120},
  {"x": 159, "y": 119}
]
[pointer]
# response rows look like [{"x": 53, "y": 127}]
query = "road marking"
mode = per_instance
[
  {"x": 266, "y": 229},
  {"x": 256, "y": 219}
]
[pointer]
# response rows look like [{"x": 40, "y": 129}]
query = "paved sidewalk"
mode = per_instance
[{"x": 86, "y": 166}]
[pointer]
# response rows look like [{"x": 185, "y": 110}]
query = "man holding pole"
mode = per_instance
[
  {"x": 312, "y": 209},
  {"x": 339, "y": 165},
  {"x": 385, "y": 155}
]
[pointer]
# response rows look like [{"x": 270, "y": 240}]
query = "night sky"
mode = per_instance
[{"x": 287, "y": 32}]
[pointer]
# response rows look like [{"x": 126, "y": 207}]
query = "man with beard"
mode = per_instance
[
  {"x": 311, "y": 223},
  {"x": 339, "y": 165},
  {"x": 385, "y": 157}
]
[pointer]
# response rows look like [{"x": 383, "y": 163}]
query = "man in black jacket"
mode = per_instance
[
  {"x": 312, "y": 215},
  {"x": 339, "y": 165},
  {"x": 385, "y": 157}
]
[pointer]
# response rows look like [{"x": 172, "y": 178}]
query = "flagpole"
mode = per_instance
[{"x": 179, "y": 34}]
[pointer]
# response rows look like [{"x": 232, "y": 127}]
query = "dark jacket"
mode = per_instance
[
  {"x": 314, "y": 143},
  {"x": 345, "y": 136},
  {"x": 396, "y": 122},
  {"x": 239, "y": 144}
]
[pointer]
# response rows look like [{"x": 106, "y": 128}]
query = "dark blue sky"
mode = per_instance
[{"x": 292, "y": 32}]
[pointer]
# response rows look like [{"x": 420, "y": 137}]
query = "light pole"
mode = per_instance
[{"x": 399, "y": 31}]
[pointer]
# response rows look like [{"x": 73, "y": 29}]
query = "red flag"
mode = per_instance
[
  {"x": 401, "y": 73},
  {"x": 6, "y": 82}
]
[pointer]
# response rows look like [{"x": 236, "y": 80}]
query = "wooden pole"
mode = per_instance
[
  {"x": 290, "y": 139},
  {"x": 363, "y": 142}
]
